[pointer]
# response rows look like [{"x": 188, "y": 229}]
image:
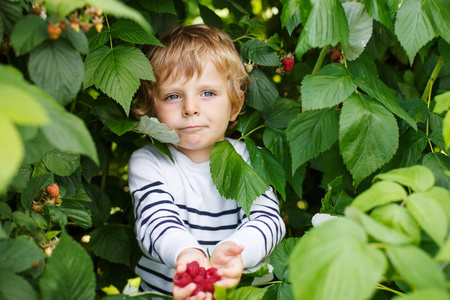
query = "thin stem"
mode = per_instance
[
  {"x": 110, "y": 36},
  {"x": 320, "y": 60},
  {"x": 268, "y": 283},
  {"x": 253, "y": 130},
  {"x": 385, "y": 288},
  {"x": 427, "y": 92}
]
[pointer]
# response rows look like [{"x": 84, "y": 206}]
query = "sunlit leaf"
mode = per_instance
[
  {"x": 360, "y": 25},
  {"x": 418, "y": 178},
  {"x": 380, "y": 193},
  {"x": 153, "y": 128},
  {"x": 11, "y": 151}
]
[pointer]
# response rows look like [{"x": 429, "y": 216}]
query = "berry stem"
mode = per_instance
[
  {"x": 251, "y": 131},
  {"x": 109, "y": 29},
  {"x": 320, "y": 60}
]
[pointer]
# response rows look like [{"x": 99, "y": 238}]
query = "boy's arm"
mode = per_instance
[{"x": 160, "y": 230}]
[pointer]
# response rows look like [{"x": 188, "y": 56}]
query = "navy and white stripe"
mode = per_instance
[{"x": 177, "y": 206}]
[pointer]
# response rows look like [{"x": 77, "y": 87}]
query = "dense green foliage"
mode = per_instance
[{"x": 359, "y": 129}]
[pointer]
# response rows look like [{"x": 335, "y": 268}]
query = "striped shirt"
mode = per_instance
[{"x": 177, "y": 206}]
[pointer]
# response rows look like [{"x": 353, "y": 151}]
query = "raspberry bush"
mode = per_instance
[{"x": 358, "y": 127}]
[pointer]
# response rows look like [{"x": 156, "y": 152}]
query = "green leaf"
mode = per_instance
[
  {"x": 442, "y": 103},
  {"x": 444, "y": 252},
  {"x": 159, "y": 131},
  {"x": 262, "y": 91},
  {"x": 248, "y": 121},
  {"x": 96, "y": 39},
  {"x": 418, "y": 178},
  {"x": 111, "y": 242},
  {"x": 113, "y": 116},
  {"x": 35, "y": 184},
  {"x": 444, "y": 49},
  {"x": 439, "y": 13},
  {"x": 100, "y": 207},
  {"x": 133, "y": 33},
  {"x": 78, "y": 40},
  {"x": 377, "y": 230},
  {"x": 117, "y": 72},
  {"x": 332, "y": 85},
  {"x": 442, "y": 197},
  {"x": 233, "y": 177},
  {"x": 360, "y": 25},
  {"x": 334, "y": 261},
  {"x": 62, "y": 164},
  {"x": 312, "y": 133},
  {"x": 280, "y": 257},
  {"x": 10, "y": 14},
  {"x": 11, "y": 152},
  {"x": 397, "y": 217},
  {"x": 159, "y": 6},
  {"x": 76, "y": 212},
  {"x": 28, "y": 33},
  {"x": 379, "y": 10},
  {"x": 380, "y": 193},
  {"x": 368, "y": 136},
  {"x": 57, "y": 68},
  {"x": 210, "y": 17},
  {"x": 13, "y": 287},
  {"x": 19, "y": 255},
  {"x": 416, "y": 268},
  {"x": 365, "y": 77},
  {"x": 282, "y": 112},
  {"x": 25, "y": 221},
  {"x": 260, "y": 52},
  {"x": 414, "y": 27},
  {"x": 439, "y": 164},
  {"x": 410, "y": 147},
  {"x": 325, "y": 24},
  {"x": 248, "y": 293},
  {"x": 290, "y": 15},
  {"x": 73, "y": 279},
  {"x": 54, "y": 215},
  {"x": 267, "y": 166},
  {"x": 429, "y": 214}
]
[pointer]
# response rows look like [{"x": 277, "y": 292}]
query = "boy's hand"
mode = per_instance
[
  {"x": 186, "y": 256},
  {"x": 227, "y": 259}
]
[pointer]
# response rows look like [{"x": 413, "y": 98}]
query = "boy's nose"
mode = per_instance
[{"x": 191, "y": 107}]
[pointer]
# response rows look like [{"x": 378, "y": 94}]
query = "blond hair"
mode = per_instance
[{"x": 184, "y": 52}]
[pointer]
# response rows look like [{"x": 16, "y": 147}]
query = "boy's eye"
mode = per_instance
[
  {"x": 208, "y": 94},
  {"x": 172, "y": 97}
]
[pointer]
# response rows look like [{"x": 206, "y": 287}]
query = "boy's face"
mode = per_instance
[{"x": 198, "y": 109}]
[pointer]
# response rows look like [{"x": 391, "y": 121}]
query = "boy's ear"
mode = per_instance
[{"x": 236, "y": 109}]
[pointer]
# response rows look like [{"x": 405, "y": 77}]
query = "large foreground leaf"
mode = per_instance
[
  {"x": 360, "y": 26},
  {"x": 72, "y": 279},
  {"x": 111, "y": 242},
  {"x": 368, "y": 136},
  {"x": 335, "y": 261},
  {"x": 312, "y": 133},
  {"x": 233, "y": 177},
  {"x": 117, "y": 72},
  {"x": 324, "y": 24}
]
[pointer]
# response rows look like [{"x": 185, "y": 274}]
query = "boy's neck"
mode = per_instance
[{"x": 197, "y": 156}]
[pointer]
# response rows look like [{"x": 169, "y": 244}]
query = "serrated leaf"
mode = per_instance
[
  {"x": 248, "y": 121},
  {"x": 159, "y": 6},
  {"x": 379, "y": 10},
  {"x": 410, "y": 147},
  {"x": 312, "y": 133},
  {"x": 442, "y": 197},
  {"x": 262, "y": 91},
  {"x": 75, "y": 279},
  {"x": 14, "y": 287},
  {"x": 416, "y": 267},
  {"x": 97, "y": 39},
  {"x": 366, "y": 79},
  {"x": 429, "y": 214},
  {"x": 332, "y": 85},
  {"x": 379, "y": 194},
  {"x": 54, "y": 215},
  {"x": 346, "y": 267},
  {"x": 233, "y": 177},
  {"x": 76, "y": 212},
  {"x": 439, "y": 164},
  {"x": 78, "y": 40},
  {"x": 282, "y": 112},
  {"x": 325, "y": 24},
  {"x": 290, "y": 15},
  {"x": 58, "y": 69},
  {"x": 100, "y": 207},
  {"x": 19, "y": 255},
  {"x": 28, "y": 33},
  {"x": 117, "y": 72},
  {"x": 280, "y": 257},
  {"x": 159, "y": 131},
  {"x": 413, "y": 27},
  {"x": 62, "y": 164},
  {"x": 133, "y": 33},
  {"x": 444, "y": 50},
  {"x": 439, "y": 12},
  {"x": 248, "y": 293},
  {"x": 111, "y": 242},
  {"x": 368, "y": 136},
  {"x": 267, "y": 166},
  {"x": 210, "y": 17},
  {"x": 10, "y": 14},
  {"x": 418, "y": 178},
  {"x": 260, "y": 53},
  {"x": 360, "y": 25}
]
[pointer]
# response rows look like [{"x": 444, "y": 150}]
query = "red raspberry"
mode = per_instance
[
  {"x": 288, "y": 63},
  {"x": 182, "y": 279},
  {"x": 193, "y": 268},
  {"x": 198, "y": 289},
  {"x": 54, "y": 31},
  {"x": 201, "y": 272},
  {"x": 335, "y": 56},
  {"x": 212, "y": 273},
  {"x": 208, "y": 284},
  {"x": 53, "y": 190}
]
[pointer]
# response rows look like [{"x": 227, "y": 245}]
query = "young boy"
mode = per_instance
[{"x": 180, "y": 215}]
